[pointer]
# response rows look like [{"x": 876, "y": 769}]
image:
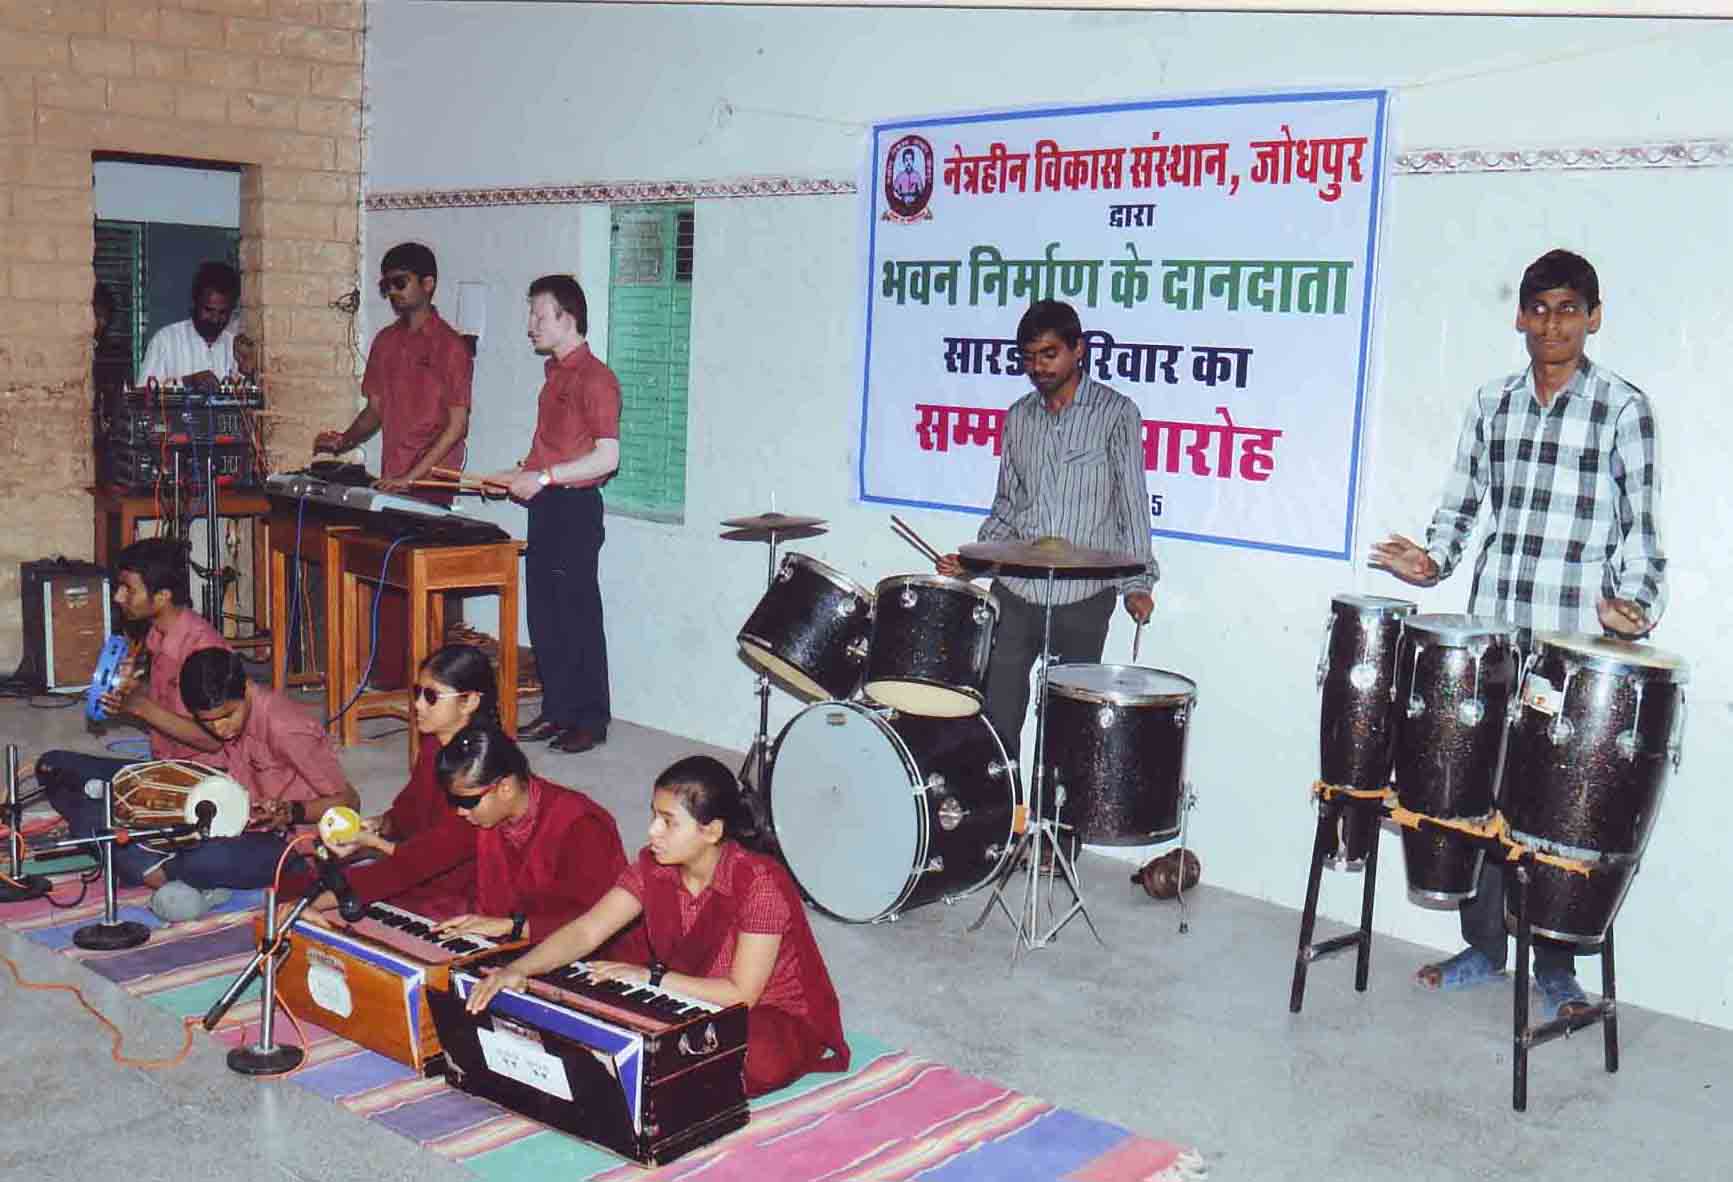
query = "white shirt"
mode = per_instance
[{"x": 177, "y": 350}]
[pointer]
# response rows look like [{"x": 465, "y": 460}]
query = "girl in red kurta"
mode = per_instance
[
  {"x": 543, "y": 854},
  {"x": 428, "y": 865},
  {"x": 724, "y": 924}
]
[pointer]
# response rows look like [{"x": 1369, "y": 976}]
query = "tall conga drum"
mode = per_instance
[
  {"x": 1356, "y": 734},
  {"x": 1454, "y": 679},
  {"x": 1599, "y": 724}
]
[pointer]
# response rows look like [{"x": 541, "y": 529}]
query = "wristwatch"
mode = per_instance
[
  {"x": 546, "y": 478},
  {"x": 657, "y": 970},
  {"x": 518, "y": 920}
]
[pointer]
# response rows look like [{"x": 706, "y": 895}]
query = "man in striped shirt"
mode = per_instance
[
  {"x": 1563, "y": 454},
  {"x": 1071, "y": 466}
]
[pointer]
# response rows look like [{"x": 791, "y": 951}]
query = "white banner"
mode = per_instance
[{"x": 1220, "y": 253}]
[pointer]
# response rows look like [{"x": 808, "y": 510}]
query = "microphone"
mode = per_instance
[
  {"x": 204, "y": 812},
  {"x": 332, "y": 878}
]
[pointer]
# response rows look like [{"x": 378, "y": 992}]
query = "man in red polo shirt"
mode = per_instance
[
  {"x": 417, "y": 386},
  {"x": 576, "y": 447},
  {"x": 150, "y": 579}
]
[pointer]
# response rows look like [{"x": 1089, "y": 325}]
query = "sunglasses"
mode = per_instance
[
  {"x": 394, "y": 283},
  {"x": 464, "y": 804},
  {"x": 429, "y": 695}
]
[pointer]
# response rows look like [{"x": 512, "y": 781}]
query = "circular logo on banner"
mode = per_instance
[{"x": 908, "y": 180}]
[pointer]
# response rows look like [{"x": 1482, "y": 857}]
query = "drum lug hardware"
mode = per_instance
[
  {"x": 908, "y": 598},
  {"x": 935, "y": 864},
  {"x": 1416, "y": 707},
  {"x": 857, "y": 648},
  {"x": 994, "y": 852},
  {"x": 995, "y": 769},
  {"x": 951, "y": 813},
  {"x": 847, "y": 607},
  {"x": 1324, "y": 656},
  {"x": 934, "y": 782},
  {"x": 1560, "y": 731},
  {"x": 1676, "y": 747},
  {"x": 1470, "y": 711},
  {"x": 982, "y": 613},
  {"x": 1628, "y": 744},
  {"x": 1104, "y": 718},
  {"x": 1181, "y": 714},
  {"x": 785, "y": 572},
  {"x": 1363, "y": 676}
]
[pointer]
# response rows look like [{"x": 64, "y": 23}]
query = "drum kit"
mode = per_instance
[
  {"x": 1552, "y": 762},
  {"x": 891, "y": 789}
]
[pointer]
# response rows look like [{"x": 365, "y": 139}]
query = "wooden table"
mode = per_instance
[
  {"x": 118, "y": 513},
  {"x": 318, "y": 544},
  {"x": 426, "y": 571}
]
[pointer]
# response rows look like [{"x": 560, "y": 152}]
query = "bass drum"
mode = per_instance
[{"x": 877, "y": 812}]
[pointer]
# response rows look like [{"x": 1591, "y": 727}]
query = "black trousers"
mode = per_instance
[
  {"x": 564, "y": 602},
  {"x": 1079, "y": 632},
  {"x": 1483, "y": 926}
]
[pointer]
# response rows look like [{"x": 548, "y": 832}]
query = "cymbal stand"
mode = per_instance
[
  {"x": 755, "y": 767},
  {"x": 1040, "y": 830}
]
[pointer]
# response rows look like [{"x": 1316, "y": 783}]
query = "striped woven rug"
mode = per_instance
[{"x": 893, "y": 1117}]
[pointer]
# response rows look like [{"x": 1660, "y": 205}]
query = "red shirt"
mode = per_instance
[
  {"x": 553, "y": 863},
  {"x": 169, "y": 648},
  {"x": 579, "y": 404},
  {"x": 283, "y": 752},
  {"x": 414, "y": 376}
]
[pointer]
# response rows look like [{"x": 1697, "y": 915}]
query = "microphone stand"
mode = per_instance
[
  {"x": 19, "y": 886},
  {"x": 113, "y": 933},
  {"x": 264, "y": 1057}
]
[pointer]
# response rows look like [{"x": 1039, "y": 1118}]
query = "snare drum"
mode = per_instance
[
  {"x": 810, "y": 629},
  {"x": 931, "y": 639},
  {"x": 1454, "y": 679},
  {"x": 1598, "y": 725},
  {"x": 169, "y": 791},
  {"x": 877, "y": 812},
  {"x": 1115, "y": 744},
  {"x": 1356, "y": 733}
]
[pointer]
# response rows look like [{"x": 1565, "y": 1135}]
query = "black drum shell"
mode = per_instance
[
  {"x": 815, "y": 625},
  {"x": 1443, "y": 867},
  {"x": 1349, "y": 842},
  {"x": 943, "y": 639},
  {"x": 1124, "y": 780},
  {"x": 1356, "y": 731},
  {"x": 962, "y": 752},
  {"x": 1584, "y": 795}
]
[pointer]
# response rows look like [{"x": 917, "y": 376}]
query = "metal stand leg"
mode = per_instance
[
  {"x": 1609, "y": 1002},
  {"x": 265, "y": 1057},
  {"x": 1363, "y": 963},
  {"x": 18, "y": 886},
  {"x": 1516, "y": 891},
  {"x": 112, "y": 933},
  {"x": 1309, "y": 914}
]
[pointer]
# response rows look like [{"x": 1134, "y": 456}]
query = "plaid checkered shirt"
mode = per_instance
[{"x": 1572, "y": 490}]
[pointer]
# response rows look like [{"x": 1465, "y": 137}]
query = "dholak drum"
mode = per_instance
[
  {"x": 1115, "y": 744},
  {"x": 932, "y": 636},
  {"x": 811, "y": 628},
  {"x": 1454, "y": 679},
  {"x": 878, "y": 812},
  {"x": 1356, "y": 733},
  {"x": 1598, "y": 723},
  {"x": 169, "y": 791}
]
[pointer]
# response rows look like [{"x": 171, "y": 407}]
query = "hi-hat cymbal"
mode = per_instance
[
  {"x": 1049, "y": 554},
  {"x": 773, "y": 521}
]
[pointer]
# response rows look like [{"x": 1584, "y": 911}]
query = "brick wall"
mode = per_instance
[{"x": 274, "y": 85}]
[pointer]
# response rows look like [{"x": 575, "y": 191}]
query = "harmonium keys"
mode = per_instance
[
  {"x": 367, "y": 981},
  {"x": 644, "y": 1072}
]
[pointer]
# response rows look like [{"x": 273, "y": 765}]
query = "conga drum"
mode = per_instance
[
  {"x": 169, "y": 792},
  {"x": 1598, "y": 724},
  {"x": 1356, "y": 733},
  {"x": 1454, "y": 679}
]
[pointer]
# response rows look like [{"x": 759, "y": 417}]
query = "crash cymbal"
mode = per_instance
[
  {"x": 773, "y": 521},
  {"x": 1049, "y": 553}
]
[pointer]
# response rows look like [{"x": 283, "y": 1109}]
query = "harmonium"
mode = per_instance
[
  {"x": 367, "y": 980},
  {"x": 636, "y": 1069}
]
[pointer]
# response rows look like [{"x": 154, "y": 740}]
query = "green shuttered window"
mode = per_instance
[{"x": 649, "y": 350}]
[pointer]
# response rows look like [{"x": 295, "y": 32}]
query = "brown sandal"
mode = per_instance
[{"x": 1160, "y": 877}]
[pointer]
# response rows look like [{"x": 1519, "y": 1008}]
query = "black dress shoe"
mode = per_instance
[
  {"x": 578, "y": 739},
  {"x": 542, "y": 728}
]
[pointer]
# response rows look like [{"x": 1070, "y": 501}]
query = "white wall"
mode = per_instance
[{"x": 540, "y": 93}]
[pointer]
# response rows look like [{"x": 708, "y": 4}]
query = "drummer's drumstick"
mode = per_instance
[
  {"x": 1136, "y": 640},
  {"x": 914, "y": 539}
]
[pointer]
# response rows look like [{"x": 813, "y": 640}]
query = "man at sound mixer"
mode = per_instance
[
  {"x": 575, "y": 449},
  {"x": 1563, "y": 453},
  {"x": 1071, "y": 467},
  {"x": 200, "y": 351},
  {"x": 151, "y": 584},
  {"x": 417, "y": 386}
]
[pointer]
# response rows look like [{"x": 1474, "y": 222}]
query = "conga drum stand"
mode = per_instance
[{"x": 1334, "y": 804}]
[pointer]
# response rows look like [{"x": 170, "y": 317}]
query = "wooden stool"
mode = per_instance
[{"x": 426, "y": 571}]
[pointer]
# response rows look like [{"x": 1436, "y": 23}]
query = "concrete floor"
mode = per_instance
[{"x": 1183, "y": 1037}]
